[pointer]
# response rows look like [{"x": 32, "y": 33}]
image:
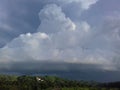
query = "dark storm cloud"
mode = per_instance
[{"x": 69, "y": 70}]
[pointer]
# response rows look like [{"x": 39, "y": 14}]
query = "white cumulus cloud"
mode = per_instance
[{"x": 60, "y": 39}]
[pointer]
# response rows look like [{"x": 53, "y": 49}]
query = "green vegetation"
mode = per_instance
[{"x": 8, "y": 82}]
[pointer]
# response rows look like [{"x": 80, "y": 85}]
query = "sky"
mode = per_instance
[{"x": 79, "y": 39}]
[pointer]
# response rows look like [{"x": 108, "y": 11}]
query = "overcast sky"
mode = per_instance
[{"x": 80, "y": 38}]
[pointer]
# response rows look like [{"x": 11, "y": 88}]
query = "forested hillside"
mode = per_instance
[{"x": 8, "y": 82}]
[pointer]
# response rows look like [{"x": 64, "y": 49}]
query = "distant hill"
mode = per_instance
[{"x": 8, "y": 82}]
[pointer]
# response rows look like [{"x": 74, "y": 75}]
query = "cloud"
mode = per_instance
[
  {"x": 58, "y": 38},
  {"x": 67, "y": 70},
  {"x": 17, "y": 17},
  {"x": 43, "y": 45},
  {"x": 55, "y": 20},
  {"x": 64, "y": 43},
  {"x": 85, "y": 4},
  {"x": 72, "y": 8},
  {"x": 51, "y": 42}
]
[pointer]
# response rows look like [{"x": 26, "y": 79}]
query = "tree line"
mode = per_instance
[{"x": 25, "y": 82}]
